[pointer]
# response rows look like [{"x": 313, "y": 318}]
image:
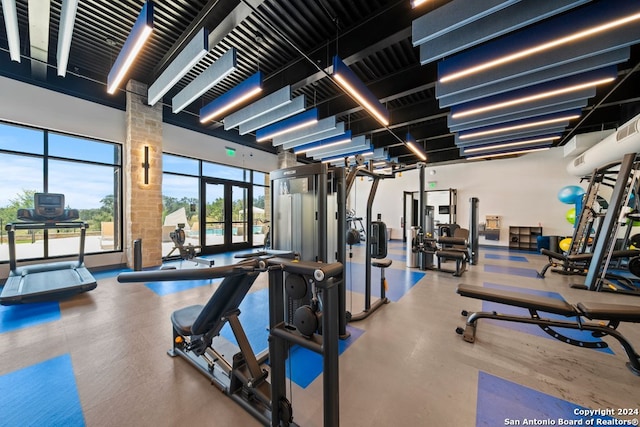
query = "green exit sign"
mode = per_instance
[
  {"x": 433, "y": 184},
  {"x": 231, "y": 152}
]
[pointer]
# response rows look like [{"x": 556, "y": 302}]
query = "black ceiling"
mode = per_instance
[{"x": 291, "y": 42}]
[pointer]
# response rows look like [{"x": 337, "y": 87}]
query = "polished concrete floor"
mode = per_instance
[{"x": 100, "y": 358}]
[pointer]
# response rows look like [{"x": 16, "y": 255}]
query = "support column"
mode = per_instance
[
  {"x": 143, "y": 201},
  {"x": 287, "y": 159}
]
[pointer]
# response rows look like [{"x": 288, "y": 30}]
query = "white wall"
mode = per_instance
[{"x": 522, "y": 191}]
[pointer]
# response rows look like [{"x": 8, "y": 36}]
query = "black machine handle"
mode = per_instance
[{"x": 193, "y": 273}]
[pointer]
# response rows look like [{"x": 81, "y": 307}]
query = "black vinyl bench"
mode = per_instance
[
  {"x": 459, "y": 256},
  {"x": 613, "y": 314}
]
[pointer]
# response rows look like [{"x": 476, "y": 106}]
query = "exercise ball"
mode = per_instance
[
  {"x": 571, "y": 216},
  {"x": 565, "y": 244},
  {"x": 570, "y": 194}
]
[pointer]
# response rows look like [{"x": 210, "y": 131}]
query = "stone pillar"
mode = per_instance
[
  {"x": 143, "y": 202},
  {"x": 287, "y": 159}
]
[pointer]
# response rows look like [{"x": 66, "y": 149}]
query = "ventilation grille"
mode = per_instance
[{"x": 629, "y": 129}]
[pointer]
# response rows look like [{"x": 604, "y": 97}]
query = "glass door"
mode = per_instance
[{"x": 226, "y": 216}]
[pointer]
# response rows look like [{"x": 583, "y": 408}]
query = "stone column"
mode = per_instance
[
  {"x": 143, "y": 202},
  {"x": 287, "y": 159}
]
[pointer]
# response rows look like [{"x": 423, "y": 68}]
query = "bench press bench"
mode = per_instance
[{"x": 613, "y": 314}]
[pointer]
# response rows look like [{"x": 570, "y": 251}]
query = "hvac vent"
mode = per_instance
[
  {"x": 629, "y": 129},
  {"x": 578, "y": 161}
]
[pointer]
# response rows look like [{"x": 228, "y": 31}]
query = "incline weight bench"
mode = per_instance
[
  {"x": 577, "y": 263},
  {"x": 613, "y": 314}
]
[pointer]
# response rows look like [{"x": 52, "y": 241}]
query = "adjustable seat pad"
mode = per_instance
[
  {"x": 183, "y": 319},
  {"x": 382, "y": 263},
  {"x": 603, "y": 311},
  {"x": 535, "y": 302},
  {"x": 451, "y": 254}
]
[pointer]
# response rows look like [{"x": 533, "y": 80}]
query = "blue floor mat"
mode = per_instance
[
  {"x": 399, "y": 281},
  {"x": 25, "y": 315},
  {"x": 504, "y": 403},
  {"x": 171, "y": 287},
  {"x": 533, "y": 329},
  {"x": 516, "y": 258},
  {"x": 514, "y": 271},
  {"x": 44, "y": 394}
]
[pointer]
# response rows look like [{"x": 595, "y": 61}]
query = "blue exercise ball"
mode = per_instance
[{"x": 570, "y": 194}]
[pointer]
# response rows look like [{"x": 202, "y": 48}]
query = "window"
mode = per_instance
[
  {"x": 87, "y": 172},
  {"x": 229, "y": 173}
]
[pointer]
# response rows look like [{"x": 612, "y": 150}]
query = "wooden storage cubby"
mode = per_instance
[{"x": 524, "y": 237}]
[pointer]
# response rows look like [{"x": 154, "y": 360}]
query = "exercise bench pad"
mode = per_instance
[
  {"x": 382, "y": 263},
  {"x": 452, "y": 254},
  {"x": 549, "y": 305},
  {"x": 603, "y": 311}
]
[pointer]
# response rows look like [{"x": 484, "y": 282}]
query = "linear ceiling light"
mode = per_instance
[
  {"x": 415, "y": 148},
  {"x": 525, "y": 99},
  {"x": 510, "y": 144},
  {"x": 325, "y": 128},
  {"x": 210, "y": 77},
  {"x": 232, "y": 98},
  {"x": 299, "y": 121},
  {"x": 65, "y": 34},
  {"x": 297, "y": 105},
  {"x": 416, "y": 3},
  {"x": 11, "y": 25},
  {"x": 349, "y": 157},
  {"x": 517, "y": 127},
  {"x": 325, "y": 143},
  {"x": 192, "y": 53},
  {"x": 356, "y": 88},
  {"x": 510, "y": 153},
  {"x": 137, "y": 37},
  {"x": 541, "y": 47},
  {"x": 264, "y": 105}
]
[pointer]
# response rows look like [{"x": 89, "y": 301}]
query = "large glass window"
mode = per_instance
[
  {"x": 87, "y": 172},
  {"x": 180, "y": 205},
  {"x": 228, "y": 173}
]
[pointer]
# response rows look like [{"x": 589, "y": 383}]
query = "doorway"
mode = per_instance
[{"x": 226, "y": 216}]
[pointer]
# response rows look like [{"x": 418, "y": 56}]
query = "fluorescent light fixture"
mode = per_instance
[
  {"x": 11, "y": 25},
  {"x": 518, "y": 127},
  {"x": 137, "y": 37},
  {"x": 65, "y": 34},
  {"x": 232, "y": 98},
  {"x": 541, "y": 47},
  {"x": 510, "y": 144},
  {"x": 415, "y": 148},
  {"x": 356, "y": 88},
  {"x": 525, "y": 99},
  {"x": 325, "y": 143},
  {"x": 291, "y": 124},
  {"x": 192, "y": 53},
  {"x": 210, "y": 77},
  {"x": 264, "y": 105},
  {"x": 510, "y": 153}
]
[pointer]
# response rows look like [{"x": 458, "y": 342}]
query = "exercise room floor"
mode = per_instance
[{"x": 100, "y": 359}]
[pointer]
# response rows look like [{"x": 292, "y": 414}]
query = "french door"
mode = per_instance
[{"x": 225, "y": 216}]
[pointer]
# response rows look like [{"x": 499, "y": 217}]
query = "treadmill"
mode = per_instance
[{"x": 50, "y": 281}]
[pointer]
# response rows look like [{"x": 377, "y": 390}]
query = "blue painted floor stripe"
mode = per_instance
[
  {"x": 25, "y": 315},
  {"x": 506, "y": 257},
  {"x": 399, "y": 281},
  {"x": 533, "y": 329},
  {"x": 306, "y": 365},
  {"x": 514, "y": 271},
  {"x": 44, "y": 394},
  {"x": 503, "y": 403},
  {"x": 171, "y": 287},
  {"x": 254, "y": 317}
]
